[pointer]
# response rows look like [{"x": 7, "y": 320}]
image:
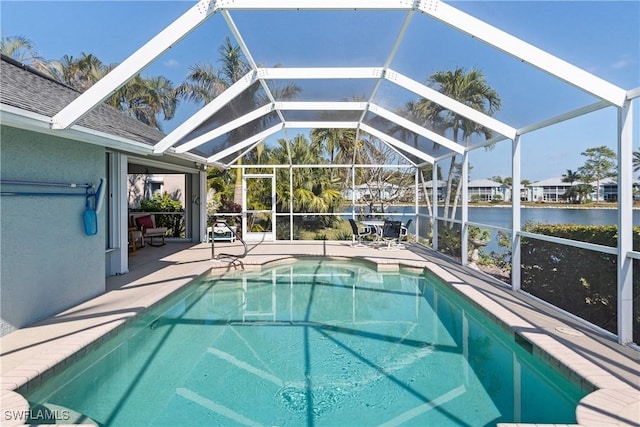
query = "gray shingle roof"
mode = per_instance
[{"x": 25, "y": 88}]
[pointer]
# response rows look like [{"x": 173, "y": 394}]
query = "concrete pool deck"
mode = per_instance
[{"x": 32, "y": 354}]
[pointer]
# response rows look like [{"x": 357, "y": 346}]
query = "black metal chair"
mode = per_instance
[
  {"x": 404, "y": 231},
  {"x": 359, "y": 233},
  {"x": 391, "y": 235}
]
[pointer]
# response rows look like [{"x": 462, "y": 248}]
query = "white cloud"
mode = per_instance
[
  {"x": 171, "y": 63},
  {"x": 624, "y": 61}
]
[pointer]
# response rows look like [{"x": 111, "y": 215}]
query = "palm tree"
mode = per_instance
[
  {"x": 314, "y": 190},
  {"x": 205, "y": 82},
  {"x": 145, "y": 99},
  {"x": 525, "y": 183},
  {"x": 571, "y": 177},
  {"x": 636, "y": 161},
  {"x": 471, "y": 89},
  {"x": 341, "y": 147},
  {"x": 19, "y": 48}
]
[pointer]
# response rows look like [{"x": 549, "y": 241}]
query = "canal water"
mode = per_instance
[{"x": 501, "y": 216}]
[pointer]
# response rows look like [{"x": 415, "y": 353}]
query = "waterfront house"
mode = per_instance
[
  {"x": 487, "y": 190},
  {"x": 549, "y": 190}
]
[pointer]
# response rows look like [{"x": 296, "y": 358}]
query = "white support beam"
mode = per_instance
[
  {"x": 523, "y": 51},
  {"x": 396, "y": 143},
  {"x": 227, "y": 127},
  {"x": 564, "y": 117},
  {"x": 488, "y": 143},
  {"x": 464, "y": 210},
  {"x": 320, "y": 125},
  {"x": 318, "y": 5},
  {"x": 131, "y": 66},
  {"x": 450, "y": 104},
  {"x": 401, "y": 154},
  {"x": 320, "y": 73},
  {"x": 242, "y": 153},
  {"x": 205, "y": 112},
  {"x": 625, "y": 224},
  {"x": 408, "y": 124},
  {"x": 434, "y": 202},
  {"x": 516, "y": 213},
  {"x": 392, "y": 54},
  {"x": 249, "y": 57},
  {"x": 321, "y": 106},
  {"x": 240, "y": 145}
]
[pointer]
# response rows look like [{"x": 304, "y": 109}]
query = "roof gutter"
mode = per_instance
[{"x": 19, "y": 118}]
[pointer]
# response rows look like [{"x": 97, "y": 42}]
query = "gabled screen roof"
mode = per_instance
[{"x": 300, "y": 76}]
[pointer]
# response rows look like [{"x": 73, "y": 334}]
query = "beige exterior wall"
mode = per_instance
[{"x": 141, "y": 186}]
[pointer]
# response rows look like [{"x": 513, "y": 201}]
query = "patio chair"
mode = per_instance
[
  {"x": 359, "y": 233},
  {"x": 404, "y": 231},
  {"x": 146, "y": 223},
  {"x": 391, "y": 235},
  {"x": 135, "y": 235}
]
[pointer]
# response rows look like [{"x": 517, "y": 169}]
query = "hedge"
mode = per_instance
[{"x": 580, "y": 281}]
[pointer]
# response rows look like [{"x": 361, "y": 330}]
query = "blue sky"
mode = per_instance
[{"x": 600, "y": 37}]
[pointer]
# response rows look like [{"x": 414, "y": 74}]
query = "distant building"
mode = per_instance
[
  {"x": 549, "y": 190},
  {"x": 373, "y": 191},
  {"x": 144, "y": 186},
  {"x": 608, "y": 190},
  {"x": 440, "y": 186},
  {"x": 486, "y": 190}
]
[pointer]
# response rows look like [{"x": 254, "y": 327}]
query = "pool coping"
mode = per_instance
[{"x": 613, "y": 402}]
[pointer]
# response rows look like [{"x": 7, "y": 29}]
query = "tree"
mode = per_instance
[
  {"x": 314, "y": 190},
  {"x": 205, "y": 82},
  {"x": 385, "y": 185},
  {"x": 340, "y": 147},
  {"x": 145, "y": 99},
  {"x": 142, "y": 98},
  {"x": 19, "y": 48},
  {"x": 525, "y": 183},
  {"x": 471, "y": 89},
  {"x": 571, "y": 177},
  {"x": 636, "y": 161},
  {"x": 600, "y": 164}
]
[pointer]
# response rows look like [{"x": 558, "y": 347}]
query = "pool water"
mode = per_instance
[{"x": 313, "y": 343}]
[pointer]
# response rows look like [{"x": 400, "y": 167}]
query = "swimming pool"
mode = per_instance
[{"x": 313, "y": 343}]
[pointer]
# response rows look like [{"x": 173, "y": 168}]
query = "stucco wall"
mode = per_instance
[{"x": 47, "y": 262}]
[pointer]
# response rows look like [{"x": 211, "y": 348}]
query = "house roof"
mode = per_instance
[
  {"x": 27, "y": 89},
  {"x": 439, "y": 183},
  {"x": 484, "y": 183},
  {"x": 555, "y": 181}
]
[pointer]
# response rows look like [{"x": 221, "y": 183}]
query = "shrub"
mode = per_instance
[
  {"x": 580, "y": 281},
  {"x": 343, "y": 235},
  {"x": 164, "y": 203}
]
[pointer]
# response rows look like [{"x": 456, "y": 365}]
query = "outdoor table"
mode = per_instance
[{"x": 377, "y": 224}]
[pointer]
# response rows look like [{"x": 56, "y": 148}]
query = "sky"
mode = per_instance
[{"x": 602, "y": 37}]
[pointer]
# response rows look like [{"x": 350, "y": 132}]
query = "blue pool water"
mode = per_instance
[{"x": 313, "y": 343}]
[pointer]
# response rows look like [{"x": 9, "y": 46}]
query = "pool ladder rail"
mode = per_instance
[{"x": 234, "y": 234}]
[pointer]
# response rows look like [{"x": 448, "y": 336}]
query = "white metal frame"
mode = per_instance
[
  {"x": 250, "y": 236},
  {"x": 609, "y": 94}
]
